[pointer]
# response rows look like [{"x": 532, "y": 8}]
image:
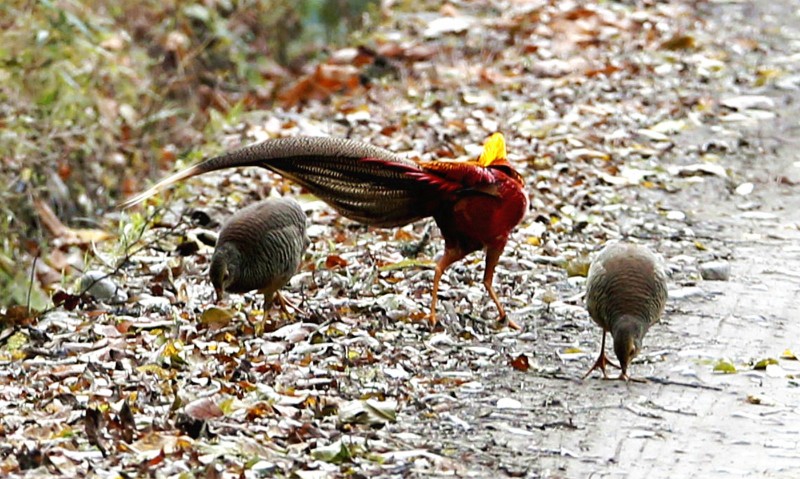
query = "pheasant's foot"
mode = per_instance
[
  {"x": 432, "y": 321},
  {"x": 600, "y": 364},
  {"x": 624, "y": 376},
  {"x": 285, "y": 304},
  {"x": 510, "y": 322}
]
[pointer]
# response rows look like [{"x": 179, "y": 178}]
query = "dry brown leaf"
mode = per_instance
[
  {"x": 63, "y": 232},
  {"x": 203, "y": 409},
  {"x": 520, "y": 363}
]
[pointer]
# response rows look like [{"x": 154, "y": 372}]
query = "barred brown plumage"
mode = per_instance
[
  {"x": 259, "y": 248},
  {"x": 626, "y": 292}
]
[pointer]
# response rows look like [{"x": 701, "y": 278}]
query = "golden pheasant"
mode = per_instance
[
  {"x": 476, "y": 204},
  {"x": 626, "y": 292}
]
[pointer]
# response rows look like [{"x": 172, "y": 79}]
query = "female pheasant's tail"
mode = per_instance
[{"x": 363, "y": 182}]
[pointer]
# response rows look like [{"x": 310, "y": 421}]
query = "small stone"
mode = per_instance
[
  {"x": 508, "y": 403},
  {"x": 102, "y": 287},
  {"x": 715, "y": 271},
  {"x": 748, "y": 102},
  {"x": 154, "y": 303},
  {"x": 744, "y": 189},
  {"x": 686, "y": 292}
]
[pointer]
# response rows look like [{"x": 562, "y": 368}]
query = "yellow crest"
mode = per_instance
[{"x": 493, "y": 149}]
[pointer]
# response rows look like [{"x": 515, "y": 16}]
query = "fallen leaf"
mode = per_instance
[
  {"x": 680, "y": 42},
  {"x": 334, "y": 260},
  {"x": 216, "y": 318},
  {"x": 520, "y": 363},
  {"x": 762, "y": 364},
  {"x": 725, "y": 367},
  {"x": 788, "y": 354},
  {"x": 203, "y": 409}
]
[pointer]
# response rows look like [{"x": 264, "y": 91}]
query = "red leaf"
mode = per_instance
[
  {"x": 520, "y": 363},
  {"x": 335, "y": 260}
]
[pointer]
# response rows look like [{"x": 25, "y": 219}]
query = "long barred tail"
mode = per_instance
[{"x": 363, "y": 182}]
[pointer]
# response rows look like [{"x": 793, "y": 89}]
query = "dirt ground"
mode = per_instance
[{"x": 687, "y": 420}]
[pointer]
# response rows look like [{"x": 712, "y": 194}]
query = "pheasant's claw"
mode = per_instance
[
  {"x": 637, "y": 380},
  {"x": 285, "y": 304},
  {"x": 600, "y": 364},
  {"x": 432, "y": 321},
  {"x": 511, "y": 323}
]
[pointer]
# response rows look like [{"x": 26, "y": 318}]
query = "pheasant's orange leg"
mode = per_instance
[
  {"x": 602, "y": 360},
  {"x": 450, "y": 256},
  {"x": 492, "y": 258}
]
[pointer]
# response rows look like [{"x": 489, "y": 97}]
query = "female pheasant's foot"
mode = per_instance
[
  {"x": 624, "y": 376},
  {"x": 285, "y": 304},
  {"x": 600, "y": 364}
]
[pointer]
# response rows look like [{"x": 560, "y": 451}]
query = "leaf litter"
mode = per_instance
[{"x": 163, "y": 379}]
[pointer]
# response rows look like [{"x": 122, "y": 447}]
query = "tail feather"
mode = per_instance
[
  {"x": 363, "y": 182},
  {"x": 163, "y": 184}
]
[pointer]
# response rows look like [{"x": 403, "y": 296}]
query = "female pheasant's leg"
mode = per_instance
[
  {"x": 492, "y": 258},
  {"x": 602, "y": 360},
  {"x": 286, "y": 304},
  {"x": 450, "y": 256}
]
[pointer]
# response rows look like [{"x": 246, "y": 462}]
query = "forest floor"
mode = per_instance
[{"x": 673, "y": 125}]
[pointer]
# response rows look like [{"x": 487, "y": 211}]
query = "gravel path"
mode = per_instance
[{"x": 687, "y": 420}]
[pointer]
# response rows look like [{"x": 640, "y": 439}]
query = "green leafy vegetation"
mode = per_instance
[{"x": 97, "y": 95}]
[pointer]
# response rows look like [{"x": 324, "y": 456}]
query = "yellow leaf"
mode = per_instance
[
  {"x": 766, "y": 75},
  {"x": 788, "y": 354},
  {"x": 173, "y": 349},
  {"x": 573, "y": 350},
  {"x": 534, "y": 240},
  {"x": 578, "y": 267},
  {"x": 216, "y": 317},
  {"x": 764, "y": 363},
  {"x": 227, "y": 406},
  {"x": 700, "y": 246},
  {"x": 16, "y": 341},
  {"x": 493, "y": 149},
  {"x": 724, "y": 367}
]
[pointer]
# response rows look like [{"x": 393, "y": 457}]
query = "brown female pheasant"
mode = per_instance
[{"x": 626, "y": 292}]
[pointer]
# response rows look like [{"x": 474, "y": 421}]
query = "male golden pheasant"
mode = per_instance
[{"x": 476, "y": 204}]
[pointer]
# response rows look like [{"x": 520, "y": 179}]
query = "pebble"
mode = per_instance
[
  {"x": 716, "y": 270},
  {"x": 102, "y": 287},
  {"x": 508, "y": 403},
  {"x": 686, "y": 292}
]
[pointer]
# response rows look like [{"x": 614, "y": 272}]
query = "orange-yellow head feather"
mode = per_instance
[{"x": 493, "y": 149}]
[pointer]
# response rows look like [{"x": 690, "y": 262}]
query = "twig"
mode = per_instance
[
  {"x": 668, "y": 382},
  {"x": 128, "y": 253},
  {"x": 30, "y": 282}
]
